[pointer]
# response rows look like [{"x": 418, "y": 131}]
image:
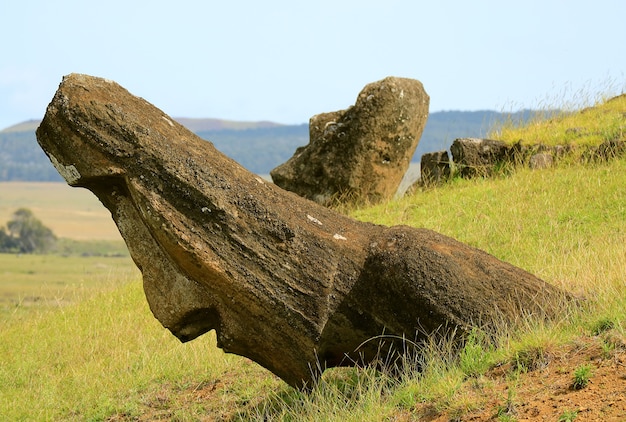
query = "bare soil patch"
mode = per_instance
[{"x": 548, "y": 394}]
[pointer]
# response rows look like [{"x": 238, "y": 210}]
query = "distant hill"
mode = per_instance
[
  {"x": 203, "y": 125},
  {"x": 258, "y": 146},
  {"x": 195, "y": 125},
  {"x": 22, "y": 159},
  {"x": 29, "y": 125}
]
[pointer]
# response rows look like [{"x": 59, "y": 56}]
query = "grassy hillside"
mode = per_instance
[
  {"x": 106, "y": 358},
  {"x": 606, "y": 121}
]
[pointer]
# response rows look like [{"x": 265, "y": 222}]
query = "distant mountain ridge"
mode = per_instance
[
  {"x": 203, "y": 125},
  {"x": 258, "y": 146},
  {"x": 193, "y": 124},
  {"x": 28, "y": 125}
]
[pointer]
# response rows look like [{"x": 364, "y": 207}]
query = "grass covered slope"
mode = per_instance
[
  {"x": 538, "y": 220},
  {"x": 107, "y": 358},
  {"x": 591, "y": 126}
]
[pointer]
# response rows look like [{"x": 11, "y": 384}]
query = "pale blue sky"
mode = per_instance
[{"x": 287, "y": 60}]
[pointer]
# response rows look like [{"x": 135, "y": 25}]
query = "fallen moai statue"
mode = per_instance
[
  {"x": 288, "y": 283},
  {"x": 361, "y": 153}
]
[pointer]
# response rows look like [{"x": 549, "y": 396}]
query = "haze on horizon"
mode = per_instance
[{"x": 285, "y": 61}]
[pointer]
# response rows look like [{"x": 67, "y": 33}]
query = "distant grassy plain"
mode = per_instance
[
  {"x": 33, "y": 282},
  {"x": 73, "y": 213}
]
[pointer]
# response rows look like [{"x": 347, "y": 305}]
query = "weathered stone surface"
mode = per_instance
[
  {"x": 363, "y": 152},
  {"x": 434, "y": 168},
  {"x": 477, "y": 157},
  {"x": 282, "y": 280},
  {"x": 607, "y": 150},
  {"x": 542, "y": 160}
]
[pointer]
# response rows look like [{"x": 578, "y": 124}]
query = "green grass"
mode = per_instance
[
  {"x": 582, "y": 377},
  {"x": 105, "y": 357},
  {"x": 33, "y": 282},
  {"x": 568, "y": 416},
  {"x": 590, "y": 126},
  {"x": 547, "y": 222},
  {"x": 95, "y": 247}
]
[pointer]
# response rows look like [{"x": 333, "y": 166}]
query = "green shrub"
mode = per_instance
[
  {"x": 568, "y": 416},
  {"x": 582, "y": 377},
  {"x": 475, "y": 358}
]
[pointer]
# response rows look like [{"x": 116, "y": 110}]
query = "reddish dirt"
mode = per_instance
[
  {"x": 544, "y": 394},
  {"x": 547, "y": 394}
]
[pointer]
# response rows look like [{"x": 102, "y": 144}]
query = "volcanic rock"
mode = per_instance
[
  {"x": 434, "y": 168},
  {"x": 474, "y": 157},
  {"x": 607, "y": 150},
  {"x": 542, "y": 160},
  {"x": 288, "y": 283},
  {"x": 362, "y": 153}
]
